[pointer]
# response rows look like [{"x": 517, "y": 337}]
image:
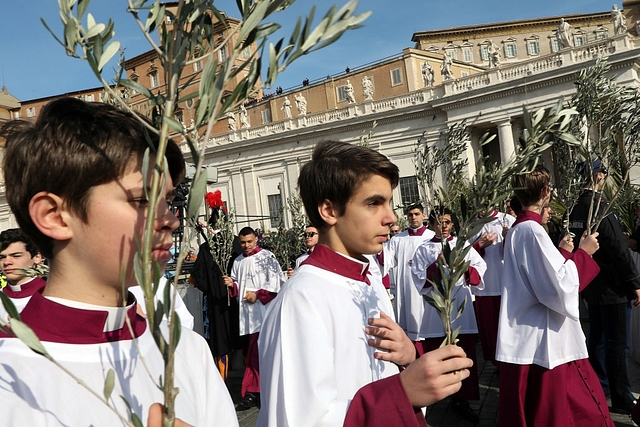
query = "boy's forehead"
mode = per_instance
[{"x": 14, "y": 247}]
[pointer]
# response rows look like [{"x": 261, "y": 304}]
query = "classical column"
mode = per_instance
[{"x": 505, "y": 138}]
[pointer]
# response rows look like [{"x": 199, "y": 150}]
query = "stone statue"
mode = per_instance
[
  {"x": 428, "y": 74},
  {"x": 192, "y": 128},
  {"x": 445, "y": 68},
  {"x": 563, "y": 34},
  {"x": 494, "y": 55},
  {"x": 286, "y": 107},
  {"x": 348, "y": 91},
  {"x": 367, "y": 88},
  {"x": 301, "y": 103},
  {"x": 244, "y": 117},
  {"x": 619, "y": 21},
  {"x": 231, "y": 121}
]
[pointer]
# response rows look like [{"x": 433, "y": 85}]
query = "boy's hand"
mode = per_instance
[
  {"x": 566, "y": 243},
  {"x": 250, "y": 297},
  {"x": 389, "y": 336},
  {"x": 228, "y": 281},
  {"x": 589, "y": 243},
  {"x": 155, "y": 417},
  {"x": 487, "y": 239},
  {"x": 435, "y": 375}
]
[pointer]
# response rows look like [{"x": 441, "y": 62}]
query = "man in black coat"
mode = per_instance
[{"x": 610, "y": 294}]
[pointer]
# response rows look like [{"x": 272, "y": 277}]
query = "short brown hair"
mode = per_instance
[
  {"x": 72, "y": 147},
  {"x": 335, "y": 172},
  {"x": 528, "y": 187}
]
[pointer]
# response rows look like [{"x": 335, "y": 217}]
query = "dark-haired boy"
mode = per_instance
[
  {"x": 329, "y": 349},
  {"x": 256, "y": 278},
  {"x": 18, "y": 254},
  {"x": 86, "y": 211}
]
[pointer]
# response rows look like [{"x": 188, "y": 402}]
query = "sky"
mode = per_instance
[{"x": 33, "y": 65}]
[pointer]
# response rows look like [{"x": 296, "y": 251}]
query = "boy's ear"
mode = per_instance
[
  {"x": 328, "y": 212},
  {"x": 50, "y": 215}
]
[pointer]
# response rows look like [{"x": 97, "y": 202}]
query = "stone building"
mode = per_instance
[{"x": 484, "y": 74}]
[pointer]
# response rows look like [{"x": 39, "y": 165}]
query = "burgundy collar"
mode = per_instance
[
  {"x": 527, "y": 216},
  {"x": 436, "y": 239},
  {"x": 417, "y": 232},
  {"x": 53, "y": 322},
  {"x": 26, "y": 289},
  {"x": 253, "y": 252},
  {"x": 329, "y": 260}
]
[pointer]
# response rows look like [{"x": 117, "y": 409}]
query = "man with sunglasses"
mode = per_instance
[
  {"x": 610, "y": 296},
  {"x": 311, "y": 240}
]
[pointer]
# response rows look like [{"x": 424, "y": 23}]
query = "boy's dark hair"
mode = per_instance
[
  {"x": 72, "y": 147},
  {"x": 414, "y": 206},
  {"x": 335, "y": 173},
  {"x": 13, "y": 235},
  {"x": 247, "y": 231},
  {"x": 437, "y": 212},
  {"x": 528, "y": 187}
]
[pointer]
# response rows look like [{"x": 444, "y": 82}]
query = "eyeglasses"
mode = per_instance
[{"x": 310, "y": 234}]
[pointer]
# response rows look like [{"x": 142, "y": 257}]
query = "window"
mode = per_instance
[
  {"x": 579, "y": 40},
  {"x": 266, "y": 116},
  {"x": 246, "y": 52},
  {"x": 31, "y": 112},
  {"x": 180, "y": 117},
  {"x": 153, "y": 79},
  {"x": 484, "y": 52},
  {"x": 89, "y": 97},
  {"x": 342, "y": 93},
  {"x": 601, "y": 33},
  {"x": 533, "y": 47},
  {"x": 451, "y": 53},
  {"x": 510, "y": 50},
  {"x": 464, "y": 74},
  {"x": 396, "y": 77},
  {"x": 409, "y": 190},
  {"x": 197, "y": 66},
  {"x": 467, "y": 55},
  {"x": 275, "y": 209},
  {"x": 555, "y": 47},
  {"x": 223, "y": 53}
]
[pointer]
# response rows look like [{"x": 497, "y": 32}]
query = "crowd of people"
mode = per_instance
[{"x": 344, "y": 337}]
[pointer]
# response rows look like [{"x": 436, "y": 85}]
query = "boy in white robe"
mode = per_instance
[
  {"x": 329, "y": 353},
  {"x": 545, "y": 378},
  {"x": 423, "y": 269},
  {"x": 256, "y": 278},
  {"x": 17, "y": 254},
  {"x": 86, "y": 211}
]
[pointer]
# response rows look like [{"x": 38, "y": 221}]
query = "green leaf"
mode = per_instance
[
  {"x": 27, "y": 336},
  {"x": 109, "y": 383},
  {"x": 176, "y": 331},
  {"x": 196, "y": 195},
  {"x": 256, "y": 16},
  {"x": 109, "y": 53},
  {"x": 8, "y": 306}
]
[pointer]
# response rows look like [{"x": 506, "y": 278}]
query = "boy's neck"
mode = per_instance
[{"x": 76, "y": 289}]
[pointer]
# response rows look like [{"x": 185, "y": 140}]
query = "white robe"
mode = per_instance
[
  {"x": 258, "y": 271},
  {"x": 431, "y": 326},
  {"x": 186, "y": 318},
  {"x": 409, "y": 304},
  {"x": 37, "y": 393},
  {"x": 539, "y": 315},
  {"x": 18, "y": 303},
  {"x": 314, "y": 355},
  {"x": 493, "y": 256}
]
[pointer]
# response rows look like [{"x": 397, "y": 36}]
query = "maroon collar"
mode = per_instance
[
  {"x": 527, "y": 216},
  {"x": 329, "y": 260},
  {"x": 26, "y": 289},
  {"x": 53, "y": 322},
  {"x": 436, "y": 239},
  {"x": 253, "y": 252},
  {"x": 417, "y": 232}
]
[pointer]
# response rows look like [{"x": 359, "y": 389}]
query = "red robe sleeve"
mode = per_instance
[
  {"x": 265, "y": 296},
  {"x": 383, "y": 403},
  {"x": 472, "y": 276},
  {"x": 233, "y": 292},
  {"x": 587, "y": 268},
  {"x": 479, "y": 249}
]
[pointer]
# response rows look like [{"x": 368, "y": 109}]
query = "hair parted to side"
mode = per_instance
[
  {"x": 437, "y": 212},
  {"x": 414, "y": 206},
  {"x": 72, "y": 147},
  {"x": 528, "y": 187},
  {"x": 246, "y": 231},
  {"x": 335, "y": 172},
  {"x": 13, "y": 235}
]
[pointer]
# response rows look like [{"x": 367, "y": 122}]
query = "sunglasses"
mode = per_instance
[{"x": 310, "y": 234}]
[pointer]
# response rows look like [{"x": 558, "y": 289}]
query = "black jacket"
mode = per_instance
[{"x": 618, "y": 277}]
